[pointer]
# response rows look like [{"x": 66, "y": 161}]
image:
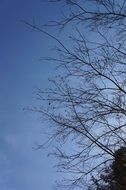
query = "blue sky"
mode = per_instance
[{"x": 21, "y": 71}]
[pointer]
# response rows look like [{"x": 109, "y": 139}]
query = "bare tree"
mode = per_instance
[{"x": 87, "y": 104}]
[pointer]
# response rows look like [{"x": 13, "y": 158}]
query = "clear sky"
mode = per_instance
[{"x": 21, "y": 71}]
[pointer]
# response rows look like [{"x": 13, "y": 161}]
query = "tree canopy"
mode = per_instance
[{"x": 87, "y": 102}]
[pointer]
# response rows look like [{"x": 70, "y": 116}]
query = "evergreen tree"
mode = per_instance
[{"x": 114, "y": 176}]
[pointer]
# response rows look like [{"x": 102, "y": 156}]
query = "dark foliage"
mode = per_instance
[{"x": 114, "y": 176}]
